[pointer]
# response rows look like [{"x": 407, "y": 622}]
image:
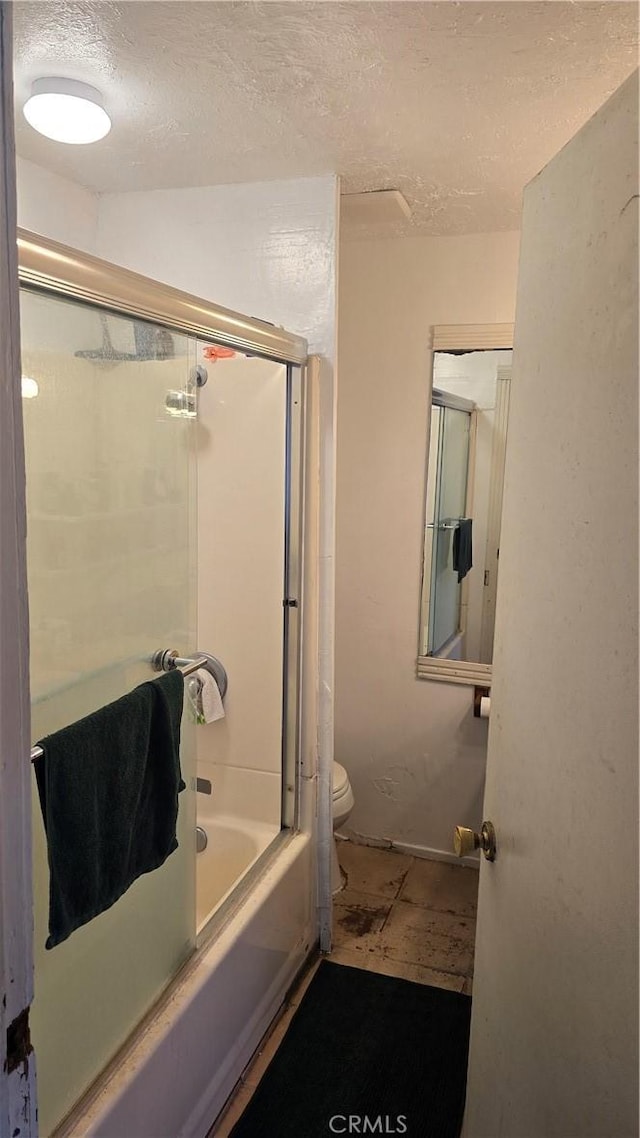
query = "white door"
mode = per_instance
[{"x": 555, "y": 1004}]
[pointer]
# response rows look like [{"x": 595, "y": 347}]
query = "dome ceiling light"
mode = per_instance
[{"x": 67, "y": 111}]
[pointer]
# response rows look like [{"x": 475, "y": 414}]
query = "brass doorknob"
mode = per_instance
[{"x": 466, "y": 841}]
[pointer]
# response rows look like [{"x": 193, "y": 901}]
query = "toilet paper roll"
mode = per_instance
[{"x": 485, "y": 706}]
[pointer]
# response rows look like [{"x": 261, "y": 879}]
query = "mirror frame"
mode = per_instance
[{"x": 451, "y": 338}]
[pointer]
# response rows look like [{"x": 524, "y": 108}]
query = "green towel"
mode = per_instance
[
  {"x": 462, "y": 548},
  {"x": 108, "y": 788}
]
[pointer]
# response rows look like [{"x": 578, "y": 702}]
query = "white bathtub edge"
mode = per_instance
[
  {"x": 165, "y": 1074},
  {"x": 218, "y": 1091}
]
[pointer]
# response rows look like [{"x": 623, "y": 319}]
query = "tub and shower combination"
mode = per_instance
[{"x": 163, "y": 443}]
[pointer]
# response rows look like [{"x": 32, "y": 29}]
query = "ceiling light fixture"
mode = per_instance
[{"x": 67, "y": 111}]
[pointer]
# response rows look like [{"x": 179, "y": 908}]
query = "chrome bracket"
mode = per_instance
[{"x": 166, "y": 659}]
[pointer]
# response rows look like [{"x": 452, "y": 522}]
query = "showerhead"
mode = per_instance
[{"x": 150, "y": 343}]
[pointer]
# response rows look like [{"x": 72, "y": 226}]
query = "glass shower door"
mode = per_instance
[
  {"x": 449, "y": 507},
  {"x": 109, "y": 420}
]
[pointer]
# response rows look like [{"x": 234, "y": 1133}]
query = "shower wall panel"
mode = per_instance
[{"x": 241, "y": 561}]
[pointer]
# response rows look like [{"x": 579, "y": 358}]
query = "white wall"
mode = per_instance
[
  {"x": 414, "y": 752},
  {"x": 55, "y": 207},
  {"x": 265, "y": 249},
  {"x": 241, "y": 514},
  {"x": 64, "y": 211},
  {"x": 472, "y": 376}
]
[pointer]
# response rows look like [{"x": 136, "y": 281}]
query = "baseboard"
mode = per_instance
[
  {"x": 473, "y": 862},
  {"x": 427, "y": 852},
  {"x": 367, "y": 840}
]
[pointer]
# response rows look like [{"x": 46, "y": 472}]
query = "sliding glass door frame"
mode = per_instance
[
  {"x": 50, "y": 269},
  {"x": 292, "y": 597}
]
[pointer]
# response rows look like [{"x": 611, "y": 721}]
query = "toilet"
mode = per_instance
[{"x": 343, "y": 803}]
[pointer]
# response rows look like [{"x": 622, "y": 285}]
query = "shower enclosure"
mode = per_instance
[
  {"x": 446, "y": 503},
  {"x": 163, "y": 441}
]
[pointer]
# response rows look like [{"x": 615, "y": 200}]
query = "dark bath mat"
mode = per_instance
[{"x": 368, "y": 1046}]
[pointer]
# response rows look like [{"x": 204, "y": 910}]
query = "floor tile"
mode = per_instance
[
  {"x": 468, "y": 986},
  {"x": 358, "y": 919},
  {"x": 443, "y": 941},
  {"x": 372, "y": 870},
  {"x": 441, "y": 886}
]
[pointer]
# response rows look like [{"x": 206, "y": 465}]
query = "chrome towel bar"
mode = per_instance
[
  {"x": 167, "y": 658},
  {"x": 164, "y": 661}
]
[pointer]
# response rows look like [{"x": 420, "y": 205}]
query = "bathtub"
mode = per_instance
[
  {"x": 175, "y": 1074},
  {"x": 183, "y": 1062},
  {"x": 234, "y": 845}
]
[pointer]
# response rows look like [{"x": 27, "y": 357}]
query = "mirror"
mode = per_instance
[{"x": 463, "y": 507}]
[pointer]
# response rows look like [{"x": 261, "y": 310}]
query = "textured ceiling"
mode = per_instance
[{"x": 457, "y": 105}]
